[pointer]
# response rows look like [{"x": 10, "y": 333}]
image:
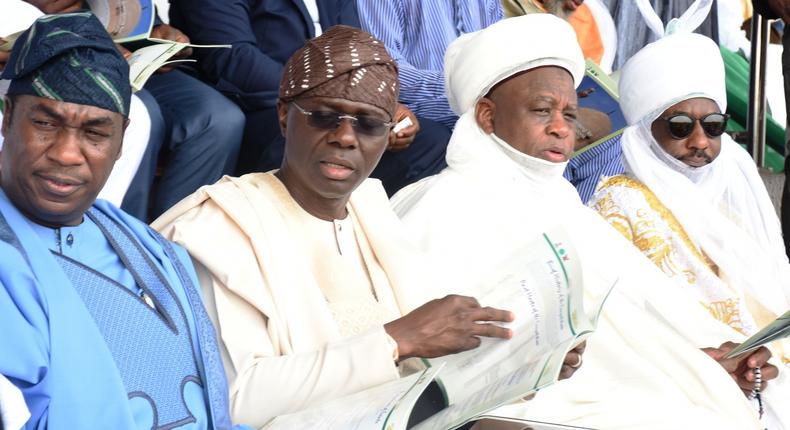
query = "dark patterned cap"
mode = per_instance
[
  {"x": 71, "y": 58},
  {"x": 344, "y": 62}
]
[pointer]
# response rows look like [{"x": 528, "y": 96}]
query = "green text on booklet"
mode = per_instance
[{"x": 542, "y": 286}]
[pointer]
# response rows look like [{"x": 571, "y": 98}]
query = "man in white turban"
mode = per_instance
[
  {"x": 503, "y": 186},
  {"x": 691, "y": 198}
]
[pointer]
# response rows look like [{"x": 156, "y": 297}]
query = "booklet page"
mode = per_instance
[
  {"x": 778, "y": 329},
  {"x": 386, "y": 406},
  {"x": 536, "y": 287}
]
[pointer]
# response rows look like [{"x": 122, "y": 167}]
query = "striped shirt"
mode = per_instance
[
  {"x": 586, "y": 169},
  {"x": 416, "y": 34}
]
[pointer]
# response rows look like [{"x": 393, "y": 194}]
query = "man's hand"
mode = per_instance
[
  {"x": 446, "y": 326},
  {"x": 4, "y": 56},
  {"x": 125, "y": 52},
  {"x": 741, "y": 367},
  {"x": 573, "y": 361},
  {"x": 781, "y": 8},
  {"x": 57, "y": 6},
  {"x": 403, "y": 138},
  {"x": 166, "y": 32}
]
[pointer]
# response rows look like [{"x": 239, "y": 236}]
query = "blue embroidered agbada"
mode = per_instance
[
  {"x": 70, "y": 373},
  {"x": 102, "y": 323}
]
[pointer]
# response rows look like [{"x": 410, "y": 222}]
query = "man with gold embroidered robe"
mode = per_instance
[{"x": 691, "y": 199}]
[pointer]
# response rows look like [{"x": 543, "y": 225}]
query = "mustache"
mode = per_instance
[{"x": 698, "y": 153}]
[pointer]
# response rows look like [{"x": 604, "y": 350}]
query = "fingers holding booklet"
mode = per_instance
[
  {"x": 447, "y": 326},
  {"x": 742, "y": 367},
  {"x": 526, "y": 328}
]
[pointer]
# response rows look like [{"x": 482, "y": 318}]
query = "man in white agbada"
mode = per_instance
[
  {"x": 644, "y": 367},
  {"x": 691, "y": 198},
  {"x": 305, "y": 271}
]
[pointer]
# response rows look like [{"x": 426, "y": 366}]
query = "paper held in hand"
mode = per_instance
[
  {"x": 776, "y": 330},
  {"x": 7, "y": 42},
  {"x": 542, "y": 286},
  {"x": 145, "y": 61},
  {"x": 125, "y": 20},
  {"x": 493, "y": 422}
]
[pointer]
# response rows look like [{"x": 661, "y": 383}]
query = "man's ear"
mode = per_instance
[
  {"x": 282, "y": 115},
  {"x": 484, "y": 114},
  {"x": 7, "y": 108},
  {"x": 123, "y": 134}
]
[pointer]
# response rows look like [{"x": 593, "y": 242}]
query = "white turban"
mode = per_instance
[
  {"x": 475, "y": 62},
  {"x": 668, "y": 71},
  {"x": 679, "y": 66}
]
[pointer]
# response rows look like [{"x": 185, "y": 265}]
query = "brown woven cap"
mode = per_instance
[{"x": 344, "y": 62}]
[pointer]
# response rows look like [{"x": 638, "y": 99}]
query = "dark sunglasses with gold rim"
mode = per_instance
[
  {"x": 330, "y": 120},
  {"x": 682, "y": 125}
]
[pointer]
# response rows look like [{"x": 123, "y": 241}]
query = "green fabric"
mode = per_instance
[
  {"x": 737, "y": 77},
  {"x": 773, "y": 160}
]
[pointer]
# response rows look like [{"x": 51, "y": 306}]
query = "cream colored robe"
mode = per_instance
[
  {"x": 643, "y": 368},
  {"x": 281, "y": 346}
]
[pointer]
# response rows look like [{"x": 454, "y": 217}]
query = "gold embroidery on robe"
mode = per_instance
[
  {"x": 653, "y": 243},
  {"x": 658, "y": 207},
  {"x": 728, "y": 312}
]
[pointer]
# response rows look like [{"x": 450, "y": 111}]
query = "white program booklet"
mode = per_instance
[
  {"x": 7, "y": 42},
  {"x": 776, "y": 330},
  {"x": 542, "y": 286},
  {"x": 385, "y": 407},
  {"x": 145, "y": 61},
  {"x": 491, "y": 422}
]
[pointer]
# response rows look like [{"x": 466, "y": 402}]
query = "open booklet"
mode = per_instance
[
  {"x": 542, "y": 286},
  {"x": 145, "y": 61},
  {"x": 778, "y": 329},
  {"x": 7, "y": 42},
  {"x": 494, "y": 422}
]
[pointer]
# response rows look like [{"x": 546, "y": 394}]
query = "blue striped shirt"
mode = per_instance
[
  {"x": 586, "y": 169},
  {"x": 416, "y": 34}
]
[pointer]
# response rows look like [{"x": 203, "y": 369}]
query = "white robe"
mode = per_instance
[
  {"x": 643, "y": 367},
  {"x": 281, "y": 345}
]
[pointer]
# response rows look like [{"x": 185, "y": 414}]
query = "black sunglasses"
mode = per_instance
[
  {"x": 329, "y": 120},
  {"x": 682, "y": 125}
]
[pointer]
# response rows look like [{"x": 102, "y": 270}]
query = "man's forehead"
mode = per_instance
[
  {"x": 694, "y": 104},
  {"x": 65, "y": 109},
  {"x": 538, "y": 82}
]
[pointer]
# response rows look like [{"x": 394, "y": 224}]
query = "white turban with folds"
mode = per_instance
[
  {"x": 475, "y": 62},
  {"x": 674, "y": 68}
]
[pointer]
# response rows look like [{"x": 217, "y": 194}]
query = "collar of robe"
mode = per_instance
[
  {"x": 532, "y": 167},
  {"x": 472, "y": 151}
]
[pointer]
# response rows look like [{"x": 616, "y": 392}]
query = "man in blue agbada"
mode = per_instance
[{"x": 102, "y": 324}]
